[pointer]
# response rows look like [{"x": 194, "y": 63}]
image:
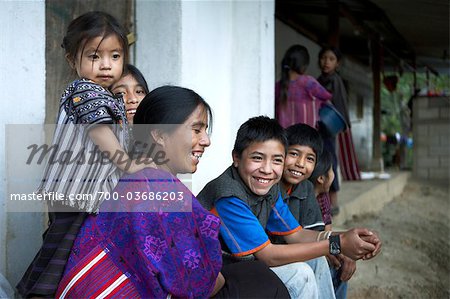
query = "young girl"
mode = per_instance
[
  {"x": 341, "y": 267},
  {"x": 329, "y": 59},
  {"x": 298, "y": 97},
  {"x": 133, "y": 88},
  {"x": 92, "y": 130}
]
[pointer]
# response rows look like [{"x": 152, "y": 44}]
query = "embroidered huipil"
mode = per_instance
[
  {"x": 76, "y": 165},
  {"x": 304, "y": 99}
]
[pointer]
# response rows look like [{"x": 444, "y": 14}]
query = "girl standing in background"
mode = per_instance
[
  {"x": 298, "y": 97},
  {"x": 329, "y": 59}
]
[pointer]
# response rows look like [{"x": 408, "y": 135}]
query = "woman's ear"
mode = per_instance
[{"x": 158, "y": 137}]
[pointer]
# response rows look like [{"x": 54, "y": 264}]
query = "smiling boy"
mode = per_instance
[
  {"x": 247, "y": 199},
  {"x": 304, "y": 147}
]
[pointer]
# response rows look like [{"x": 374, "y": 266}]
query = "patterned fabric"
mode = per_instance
[
  {"x": 160, "y": 253},
  {"x": 325, "y": 207},
  {"x": 114, "y": 283},
  {"x": 84, "y": 104},
  {"x": 304, "y": 100},
  {"x": 347, "y": 157},
  {"x": 44, "y": 273}
]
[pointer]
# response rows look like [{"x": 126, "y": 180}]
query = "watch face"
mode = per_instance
[{"x": 335, "y": 248}]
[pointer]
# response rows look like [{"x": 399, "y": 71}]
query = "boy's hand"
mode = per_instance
[
  {"x": 348, "y": 267},
  {"x": 375, "y": 240},
  {"x": 353, "y": 246},
  {"x": 333, "y": 261}
]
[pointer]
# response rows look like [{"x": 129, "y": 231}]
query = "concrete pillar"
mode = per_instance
[
  {"x": 221, "y": 49},
  {"x": 22, "y": 77}
]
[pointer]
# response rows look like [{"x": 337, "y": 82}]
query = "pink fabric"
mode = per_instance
[
  {"x": 305, "y": 97},
  {"x": 325, "y": 207}
]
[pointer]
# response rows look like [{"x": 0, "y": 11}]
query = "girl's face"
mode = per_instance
[
  {"x": 328, "y": 62},
  {"x": 132, "y": 93},
  {"x": 185, "y": 146},
  {"x": 260, "y": 165},
  {"x": 100, "y": 61}
]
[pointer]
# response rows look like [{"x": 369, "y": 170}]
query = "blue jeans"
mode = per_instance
[
  {"x": 311, "y": 280},
  {"x": 340, "y": 287}
]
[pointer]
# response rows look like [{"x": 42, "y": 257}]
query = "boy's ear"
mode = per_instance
[
  {"x": 321, "y": 179},
  {"x": 158, "y": 137},
  {"x": 236, "y": 159}
]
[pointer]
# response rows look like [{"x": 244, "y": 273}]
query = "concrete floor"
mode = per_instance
[{"x": 368, "y": 196}]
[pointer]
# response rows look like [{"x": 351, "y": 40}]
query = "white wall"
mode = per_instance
[
  {"x": 221, "y": 49},
  {"x": 360, "y": 84},
  {"x": 22, "y": 81},
  {"x": 285, "y": 37}
]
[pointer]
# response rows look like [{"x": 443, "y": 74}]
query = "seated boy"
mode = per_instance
[
  {"x": 304, "y": 147},
  {"x": 304, "y": 155},
  {"x": 247, "y": 199}
]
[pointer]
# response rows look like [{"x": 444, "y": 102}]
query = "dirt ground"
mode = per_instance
[{"x": 415, "y": 261}]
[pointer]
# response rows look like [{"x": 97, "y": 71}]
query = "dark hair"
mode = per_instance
[
  {"x": 296, "y": 59},
  {"x": 91, "y": 25},
  {"x": 167, "y": 105},
  {"x": 335, "y": 50},
  {"x": 305, "y": 135},
  {"x": 258, "y": 129},
  {"x": 324, "y": 163},
  {"x": 137, "y": 75}
]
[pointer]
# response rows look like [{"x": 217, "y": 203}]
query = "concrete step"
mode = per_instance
[{"x": 368, "y": 196}]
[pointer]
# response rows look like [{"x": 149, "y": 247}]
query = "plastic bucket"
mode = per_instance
[{"x": 332, "y": 120}]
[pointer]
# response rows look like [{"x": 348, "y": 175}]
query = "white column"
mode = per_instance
[
  {"x": 22, "y": 80},
  {"x": 221, "y": 49}
]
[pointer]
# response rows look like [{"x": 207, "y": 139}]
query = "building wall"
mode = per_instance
[
  {"x": 431, "y": 131},
  {"x": 221, "y": 49},
  {"x": 22, "y": 80},
  {"x": 360, "y": 105},
  {"x": 285, "y": 37}
]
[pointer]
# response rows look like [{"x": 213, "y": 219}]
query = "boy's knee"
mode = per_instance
[
  {"x": 303, "y": 272},
  {"x": 299, "y": 272}
]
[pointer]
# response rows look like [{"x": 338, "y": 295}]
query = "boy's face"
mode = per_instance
[
  {"x": 299, "y": 164},
  {"x": 261, "y": 165}
]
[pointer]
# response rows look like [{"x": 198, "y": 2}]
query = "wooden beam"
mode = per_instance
[
  {"x": 375, "y": 46},
  {"x": 333, "y": 23}
]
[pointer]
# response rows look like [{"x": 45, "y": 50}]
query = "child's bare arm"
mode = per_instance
[
  {"x": 282, "y": 254},
  {"x": 104, "y": 138}
]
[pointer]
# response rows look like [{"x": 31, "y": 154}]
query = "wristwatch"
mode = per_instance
[{"x": 335, "y": 245}]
